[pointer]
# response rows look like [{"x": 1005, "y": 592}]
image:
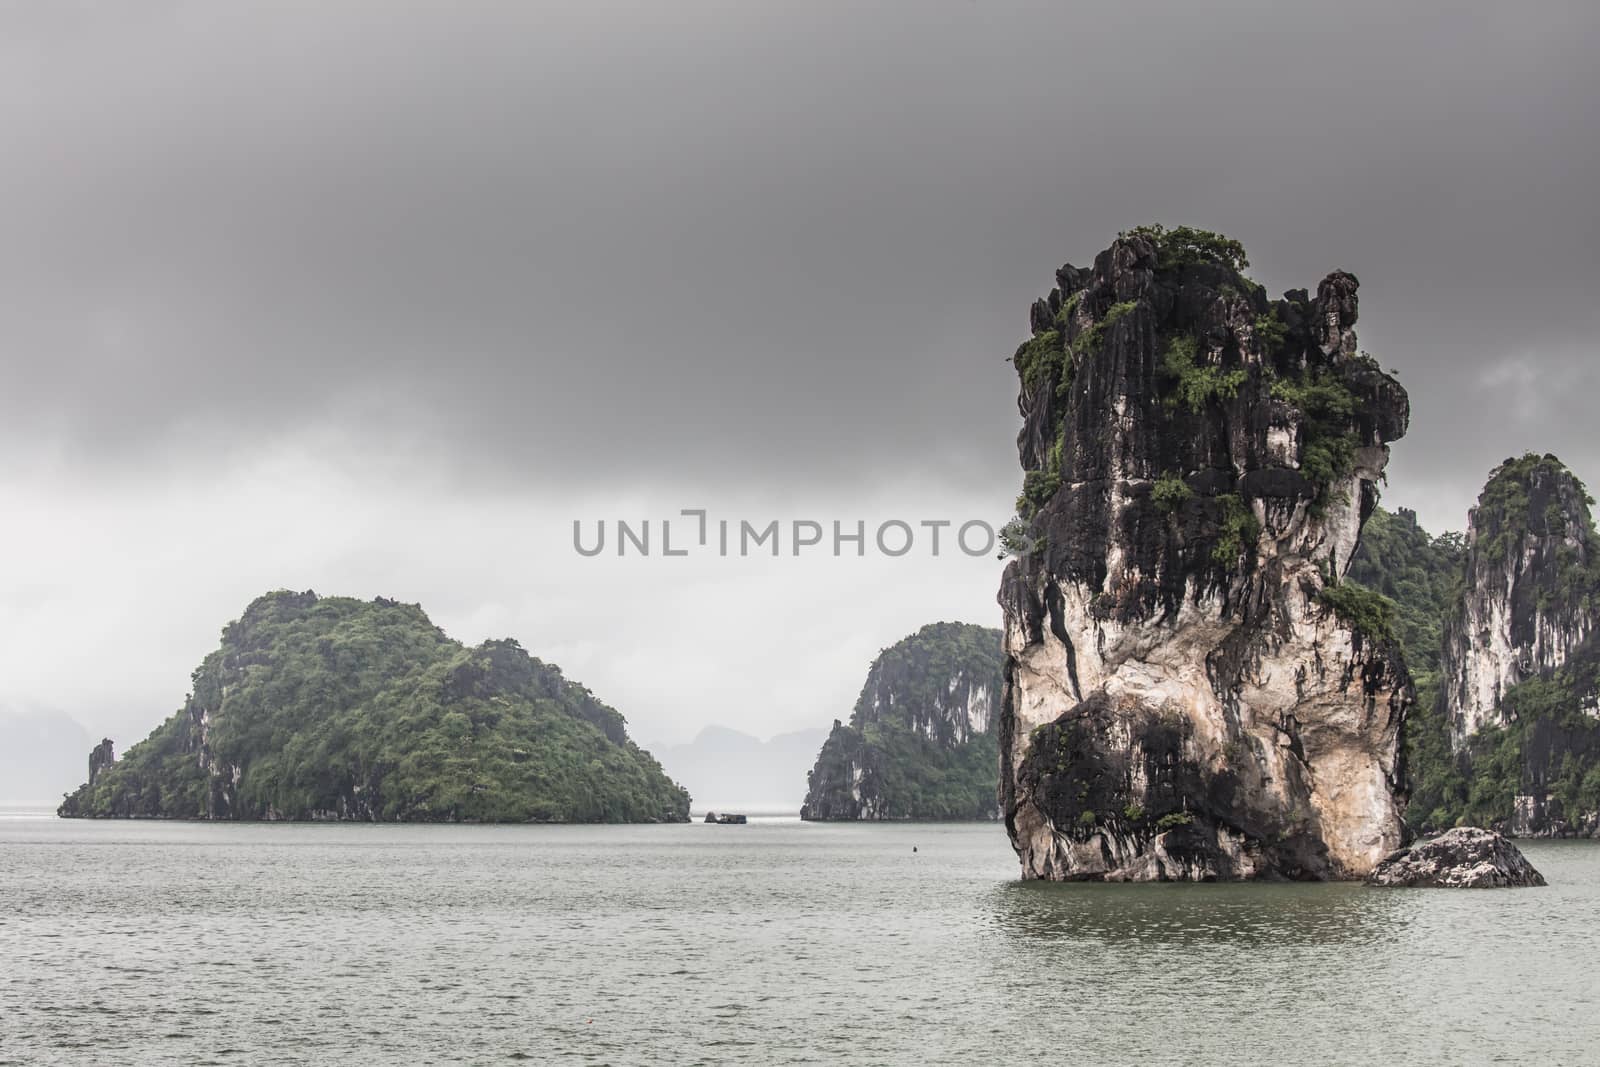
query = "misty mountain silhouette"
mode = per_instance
[{"x": 723, "y": 767}]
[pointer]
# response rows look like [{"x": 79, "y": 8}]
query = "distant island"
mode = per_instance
[
  {"x": 920, "y": 742},
  {"x": 336, "y": 708}
]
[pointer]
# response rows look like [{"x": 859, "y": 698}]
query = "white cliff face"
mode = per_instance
[
  {"x": 980, "y": 709},
  {"x": 1300, "y": 726},
  {"x": 1185, "y": 696},
  {"x": 944, "y": 701},
  {"x": 951, "y": 713},
  {"x": 1485, "y": 657},
  {"x": 1527, "y": 605}
]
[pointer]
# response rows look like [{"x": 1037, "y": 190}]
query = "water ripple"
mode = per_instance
[{"x": 769, "y": 944}]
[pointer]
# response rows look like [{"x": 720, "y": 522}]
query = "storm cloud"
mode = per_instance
[{"x": 524, "y": 260}]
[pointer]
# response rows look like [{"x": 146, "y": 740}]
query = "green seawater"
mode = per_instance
[{"x": 777, "y": 942}]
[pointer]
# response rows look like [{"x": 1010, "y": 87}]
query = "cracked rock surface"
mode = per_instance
[
  {"x": 1464, "y": 858},
  {"x": 1189, "y": 691}
]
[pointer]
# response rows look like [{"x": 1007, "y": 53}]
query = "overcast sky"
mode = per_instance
[{"x": 377, "y": 299}]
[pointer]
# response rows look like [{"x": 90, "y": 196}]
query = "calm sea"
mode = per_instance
[{"x": 776, "y": 942}]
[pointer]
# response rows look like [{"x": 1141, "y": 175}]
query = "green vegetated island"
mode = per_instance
[
  {"x": 1500, "y": 628},
  {"x": 920, "y": 743},
  {"x": 335, "y": 708}
]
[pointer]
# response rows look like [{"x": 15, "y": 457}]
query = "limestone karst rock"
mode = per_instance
[
  {"x": 1532, "y": 572},
  {"x": 1520, "y": 670},
  {"x": 1190, "y": 692},
  {"x": 336, "y": 708},
  {"x": 920, "y": 743},
  {"x": 1466, "y": 857}
]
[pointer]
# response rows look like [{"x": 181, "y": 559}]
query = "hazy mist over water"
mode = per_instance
[
  {"x": 726, "y": 769},
  {"x": 776, "y": 942},
  {"x": 42, "y": 755}
]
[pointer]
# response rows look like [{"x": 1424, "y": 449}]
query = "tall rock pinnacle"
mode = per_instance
[{"x": 1190, "y": 692}]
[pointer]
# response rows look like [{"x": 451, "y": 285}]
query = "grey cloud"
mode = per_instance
[
  {"x": 719, "y": 241},
  {"x": 376, "y": 298}
]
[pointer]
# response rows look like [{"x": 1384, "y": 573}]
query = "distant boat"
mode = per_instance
[{"x": 726, "y": 819}]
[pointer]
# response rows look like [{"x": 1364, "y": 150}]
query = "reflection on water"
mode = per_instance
[{"x": 1302, "y": 914}]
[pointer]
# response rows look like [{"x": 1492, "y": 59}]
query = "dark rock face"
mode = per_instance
[
  {"x": 1189, "y": 691},
  {"x": 1530, "y": 601},
  {"x": 847, "y": 782},
  {"x": 103, "y": 756},
  {"x": 919, "y": 744},
  {"x": 1464, "y": 858}
]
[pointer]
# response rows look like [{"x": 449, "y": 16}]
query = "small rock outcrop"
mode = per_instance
[
  {"x": 920, "y": 743},
  {"x": 1464, "y": 858},
  {"x": 103, "y": 756},
  {"x": 1191, "y": 692}
]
